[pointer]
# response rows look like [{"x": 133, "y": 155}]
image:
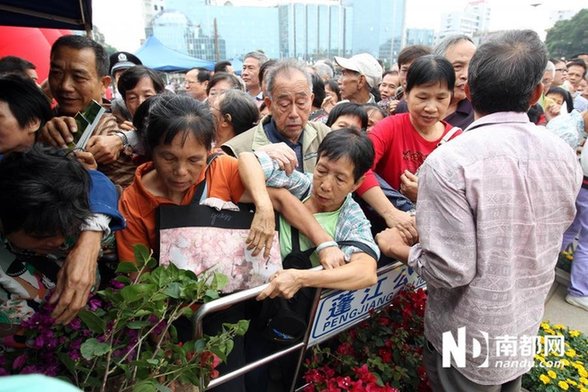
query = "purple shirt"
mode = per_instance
[{"x": 492, "y": 207}]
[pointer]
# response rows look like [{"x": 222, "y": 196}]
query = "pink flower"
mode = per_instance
[
  {"x": 75, "y": 324},
  {"x": 345, "y": 349},
  {"x": 19, "y": 361},
  {"x": 116, "y": 284},
  {"x": 31, "y": 369},
  {"x": 384, "y": 321},
  {"x": 314, "y": 376},
  {"x": 344, "y": 382},
  {"x": 94, "y": 304},
  {"x": 365, "y": 375},
  {"x": 385, "y": 354}
]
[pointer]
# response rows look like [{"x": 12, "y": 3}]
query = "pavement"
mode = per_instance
[{"x": 558, "y": 311}]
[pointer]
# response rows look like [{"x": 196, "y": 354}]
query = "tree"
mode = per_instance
[{"x": 568, "y": 37}]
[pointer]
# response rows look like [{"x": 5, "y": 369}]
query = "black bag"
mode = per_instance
[{"x": 285, "y": 321}]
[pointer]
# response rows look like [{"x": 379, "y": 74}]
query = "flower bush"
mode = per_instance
[
  {"x": 555, "y": 372},
  {"x": 382, "y": 353},
  {"x": 126, "y": 339},
  {"x": 565, "y": 259}
]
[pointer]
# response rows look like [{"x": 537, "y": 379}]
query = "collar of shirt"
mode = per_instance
[
  {"x": 275, "y": 136},
  {"x": 498, "y": 118},
  {"x": 259, "y": 97}
]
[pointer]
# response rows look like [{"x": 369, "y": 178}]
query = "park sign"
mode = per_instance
[{"x": 339, "y": 310}]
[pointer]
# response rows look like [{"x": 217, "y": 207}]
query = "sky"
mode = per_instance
[
  {"x": 505, "y": 14},
  {"x": 121, "y": 23}
]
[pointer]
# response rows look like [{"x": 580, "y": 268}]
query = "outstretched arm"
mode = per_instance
[
  {"x": 360, "y": 272},
  {"x": 289, "y": 205}
]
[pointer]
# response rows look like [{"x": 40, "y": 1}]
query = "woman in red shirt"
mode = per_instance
[{"x": 403, "y": 142}]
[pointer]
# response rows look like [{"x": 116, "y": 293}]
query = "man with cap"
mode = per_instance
[
  {"x": 360, "y": 74},
  {"x": 119, "y": 63}
]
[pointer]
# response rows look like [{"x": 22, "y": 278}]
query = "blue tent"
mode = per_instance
[{"x": 155, "y": 55}]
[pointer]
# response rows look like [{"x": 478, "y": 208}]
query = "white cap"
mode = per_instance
[{"x": 365, "y": 64}]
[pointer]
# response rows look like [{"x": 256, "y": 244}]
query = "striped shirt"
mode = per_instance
[{"x": 352, "y": 224}]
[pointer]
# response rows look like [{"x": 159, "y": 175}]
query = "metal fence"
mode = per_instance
[{"x": 333, "y": 311}]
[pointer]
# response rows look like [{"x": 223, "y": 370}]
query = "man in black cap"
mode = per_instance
[{"x": 119, "y": 63}]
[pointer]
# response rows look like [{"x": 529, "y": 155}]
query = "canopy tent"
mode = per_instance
[
  {"x": 56, "y": 14},
  {"x": 155, "y": 55}
]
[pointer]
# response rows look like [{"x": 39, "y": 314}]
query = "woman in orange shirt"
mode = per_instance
[{"x": 178, "y": 138}]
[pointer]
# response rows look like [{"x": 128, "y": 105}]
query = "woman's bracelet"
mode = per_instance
[{"x": 324, "y": 245}]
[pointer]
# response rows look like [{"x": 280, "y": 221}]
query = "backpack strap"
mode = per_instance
[
  {"x": 448, "y": 135},
  {"x": 295, "y": 237},
  {"x": 364, "y": 248}
]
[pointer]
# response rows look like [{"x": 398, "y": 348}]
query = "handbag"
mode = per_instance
[
  {"x": 285, "y": 321},
  {"x": 201, "y": 239}
]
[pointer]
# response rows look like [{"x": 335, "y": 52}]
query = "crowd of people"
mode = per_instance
[{"x": 461, "y": 161}]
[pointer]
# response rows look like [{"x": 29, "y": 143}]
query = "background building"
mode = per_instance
[
  {"x": 473, "y": 20},
  {"x": 243, "y": 28},
  {"x": 378, "y": 27},
  {"x": 420, "y": 37},
  {"x": 303, "y": 29},
  {"x": 314, "y": 31}
]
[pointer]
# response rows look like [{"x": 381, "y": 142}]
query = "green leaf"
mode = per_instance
[
  {"x": 92, "y": 348},
  {"x": 153, "y": 362},
  {"x": 199, "y": 345},
  {"x": 189, "y": 275},
  {"x": 126, "y": 267},
  {"x": 137, "y": 292},
  {"x": 187, "y": 312},
  {"x": 242, "y": 327},
  {"x": 162, "y": 388},
  {"x": 138, "y": 324},
  {"x": 159, "y": 297},
  {"x": 159, "y": 276},
  {"x": 229, "y": 344},
  {"x": 145, "y": 386},
  {"x": 92, "y": 321},
  {"x": 142, "y": 254},
  {"x": 173, "y": 290},
  {"x": 141, "y": 313},
  {"x": 173, "y": 333},
  {"x": 67, "y": 362},
  {"x": 219, "y": 280},
  {"x": 210, "y": 295},
  {"x": 152, "y": 263},
  {"x": 123, "y": 279}
]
